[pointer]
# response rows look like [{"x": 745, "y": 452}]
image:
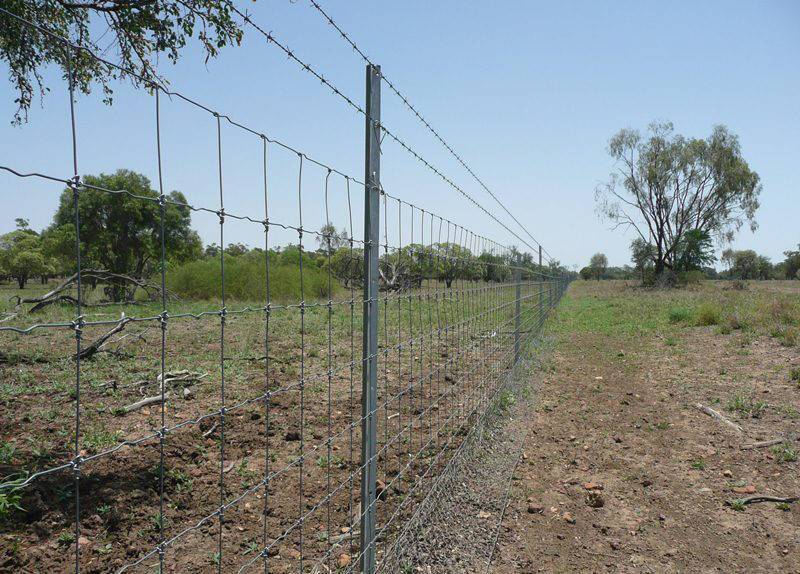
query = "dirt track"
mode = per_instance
[{"x": 618, "y": 412}]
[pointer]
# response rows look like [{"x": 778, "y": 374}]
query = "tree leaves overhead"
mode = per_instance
[{"x": 131, "y": 33}]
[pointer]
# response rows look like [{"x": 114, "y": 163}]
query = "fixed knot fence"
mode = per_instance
[{"x": 282, "y": 407}]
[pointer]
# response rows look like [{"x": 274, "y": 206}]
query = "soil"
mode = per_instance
[{"x": 622, "y": 473}]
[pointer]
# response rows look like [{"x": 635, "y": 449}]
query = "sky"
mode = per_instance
[{"x": 527, "y": 93}]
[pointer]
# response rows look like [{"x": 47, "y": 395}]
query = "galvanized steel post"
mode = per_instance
[{"x": 369, "y": 386}]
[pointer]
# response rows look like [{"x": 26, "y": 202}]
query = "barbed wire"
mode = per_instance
[{"x": 348, "y": 39}]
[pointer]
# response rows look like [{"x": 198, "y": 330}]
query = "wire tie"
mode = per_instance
[{"x": 221, "y": 214}]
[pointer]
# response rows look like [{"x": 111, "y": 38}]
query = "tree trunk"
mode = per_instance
[{"x": 21, "y": 280}]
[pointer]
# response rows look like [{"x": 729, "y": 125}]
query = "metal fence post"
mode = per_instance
[
  {"x": 517, "y": 301},
  {"x": 369, "y": 382},
  {"x": 541, "y": 289}
]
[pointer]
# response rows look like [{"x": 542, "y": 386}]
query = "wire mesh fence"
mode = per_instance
[{"x": 296, "y": 420}]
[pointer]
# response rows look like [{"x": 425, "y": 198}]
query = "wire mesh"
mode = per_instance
[{"x": 224, "y": 434}]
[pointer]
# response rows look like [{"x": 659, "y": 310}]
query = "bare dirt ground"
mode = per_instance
[{"x": 622, "y": 473}]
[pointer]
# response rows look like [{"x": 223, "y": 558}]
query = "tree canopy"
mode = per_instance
[
  {"x": 668, "y": 186},
  {"x": 137, "y": 30},
  {"x": 121, "y": 233}
]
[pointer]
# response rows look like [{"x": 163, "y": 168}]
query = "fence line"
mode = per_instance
[{"x": 444, "y": 315}]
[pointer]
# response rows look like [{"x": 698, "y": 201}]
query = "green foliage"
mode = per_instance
[
  {"x": 669, "y": 186},
  {"x": 708, "y": 314},
  {"x": 10, "y": 500},
  {"x": 141, "y": 32},
  {"x": 22, "y": 255},
  {"x": 120, "y": 233},
  {"x": 694, "y": 250},
  {"x": 679, "y": 315},
  {"x": 598, "y": 265},
  {"x": 245, "y": 277}
]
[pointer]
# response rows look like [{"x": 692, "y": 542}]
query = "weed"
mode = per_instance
[
  {"x": 746, "y": 406},
  {"x": 180, "y": 479},
  {"x": 784, "y": 506},
  {"x": 708, "y": 315},
  {"x": 505, "y": 401},
  {"x": 699, "y": 464},
  {"x": 9, "y": 501},
  {"x": 66, "y": 538},
  {"x": 737, "y": 504},
  {"x": 794, "y": 375},
  {"x": 784, "y": 453},
  {"x": 97, "y": 439},
  {"x": 7, "y": 451},
  {"x": 671, "y": 341},
  {"x": 679, "y": 315}
]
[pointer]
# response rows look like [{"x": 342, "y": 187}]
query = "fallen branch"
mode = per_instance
[
  {"x": 762, "y": 444},
  {"x": 143, "y": 403},
  {"x": 761, "y": 498},
  {"x": 89, "y": 351},
  {"x": 210, "y": 431},
  {"x": 712, "y": 413}
]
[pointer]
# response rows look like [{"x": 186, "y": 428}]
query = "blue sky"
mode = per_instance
[{"x": 528, "y": 93}]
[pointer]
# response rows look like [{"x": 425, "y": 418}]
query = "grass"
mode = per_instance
[
  {"x": 679, "y": 315},
  {"x": 708, "y": 314},
  {"x": 784, "y": 453},
  {"x": 746, "y": 406},
  {"x": 699, "y": 464}
]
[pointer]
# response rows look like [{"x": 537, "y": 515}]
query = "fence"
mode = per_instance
[{"x": 295, "y": 431}]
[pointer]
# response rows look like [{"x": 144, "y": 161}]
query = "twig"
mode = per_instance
[
  {"x": 761, "y": 498},
  {"x": 210, "y": 431},
  {"x": 712, "y": 413},
  {"x": 762, "y": 444},
  {"x": 143, "y": 403},
  {"x": 89, "y": 351}
]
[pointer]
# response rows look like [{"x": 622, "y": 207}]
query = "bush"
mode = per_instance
[
  {"x": 708, "y": 315},
  {"x": 679, "y": 315},
  {"x": 245, "y": 280}
]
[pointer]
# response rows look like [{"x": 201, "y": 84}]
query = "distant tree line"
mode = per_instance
[{"x": 120, "y": 234}]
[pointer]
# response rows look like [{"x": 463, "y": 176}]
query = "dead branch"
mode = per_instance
[
  {"x": 101, "y": 275},
  {"x": 712, "y": 413},
  {"x": 762, "y": 444},
  {"x": 89, "y": 351},
  {"x": 762, "y": 498},
  {"x": 144, "y": 402},
  {"x": 210, "y": 431}
]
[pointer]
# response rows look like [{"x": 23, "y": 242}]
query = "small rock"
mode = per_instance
[
  {"x": 343, "y": 561},
  {"x": 187, "y": 393},
  {"x": 292, "y": 436},
  {"x": 727, "y": 473},
  {"x": 594, "y": 499},
  {"x": 534, "y": 508},
  {"x": 661, "y": 518},
  {"x": 647, "y": 482},
  {"x": 592, "y": 486},
  {"x": 671, "y": 552},
  {"x": 344, "y": 529},
  {"x": 704, "y": 490},
  {"x": 567, "y": 516},
  {"x": 614, "y": 544},
  {"x": 749, "y": 489},
  {"x": 83, "y": 541},
  {"x": 484, "y": 514}
]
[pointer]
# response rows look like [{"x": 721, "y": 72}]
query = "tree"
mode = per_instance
[
  {"x": 337, "y": 239},
  {"x": 694, "y": 251},
  {"x": 642, "y": 254},
  {"x": 22, "y": 256},
  {"x": 745, "y": 264},
  {"x": 667, "y": 186},
  {"x": 121, "y": 233},
  {"x": 139, "y": 31},
  {"x": 792, "y": 264},
  {"x": 598, "y": 265}
]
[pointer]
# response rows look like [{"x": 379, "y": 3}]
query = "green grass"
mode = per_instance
[
  {"x": 746, "y": 406},
  {"x": 679, "y": 315},
  {"x": 784, "y": 453},
  {"x": 708, "y": 314}
]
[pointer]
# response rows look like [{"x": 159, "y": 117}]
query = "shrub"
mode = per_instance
[
  {"x": 679, "y": 315},
  {"x": 245, "y": 280},
  {"x": 708, "y": 315}
]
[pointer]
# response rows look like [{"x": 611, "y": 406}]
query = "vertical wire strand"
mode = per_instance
[
  {"x": 329, "y": 364},
  {"x": 353, "y": 266},
  {"x": 163, "y": 325},
  {"x": 267, "y": 316},
  {"x": 302, "y": 359},
  {"x": 222, "y": 319},
  {"x": 78, "y": 324}
]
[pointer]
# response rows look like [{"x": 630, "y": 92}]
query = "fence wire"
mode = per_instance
[{"x": 223, "y": 434}]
